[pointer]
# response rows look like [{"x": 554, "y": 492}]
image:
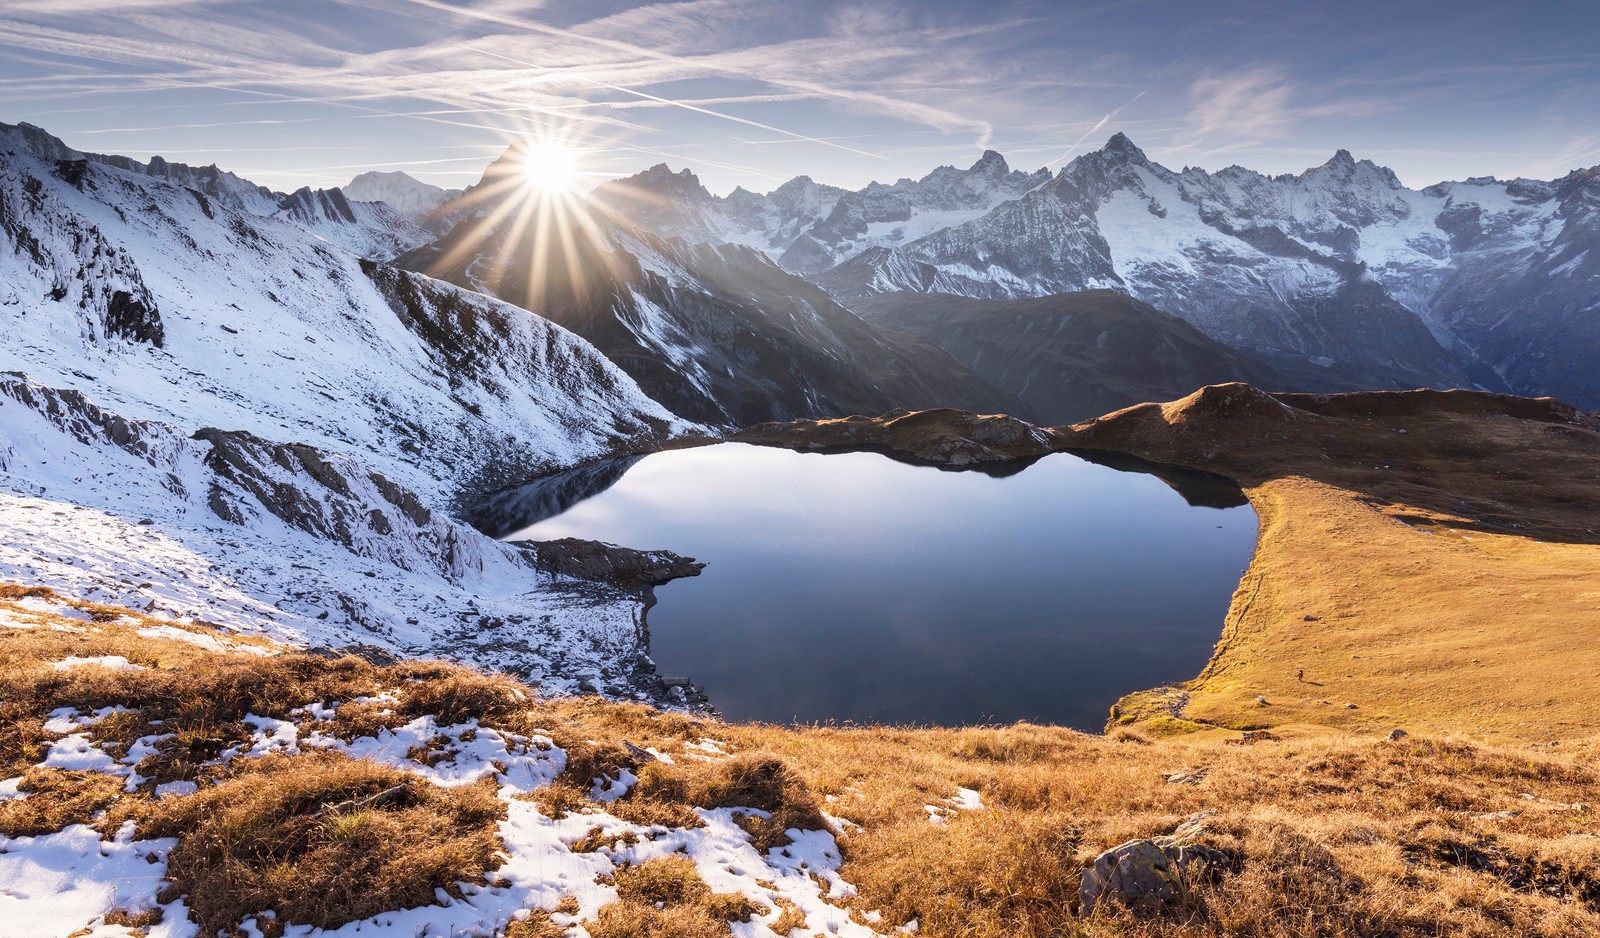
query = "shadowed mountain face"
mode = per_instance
[
  {"x": 1070, "y": 356},
  {"x": 1339, "y": 277},
  {"x": 718, "y": 333}
]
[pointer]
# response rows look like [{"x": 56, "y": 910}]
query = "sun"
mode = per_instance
[{"x": 550, "y": 166}]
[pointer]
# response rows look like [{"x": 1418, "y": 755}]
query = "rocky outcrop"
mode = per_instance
[
  {"x": 942, "y": 437},
  {"x": 608, "y": 563},
  {"x": 84, "y": 270},
  {"x": 1509, "y": 462},
  {"x": 1153, "y": 876}
]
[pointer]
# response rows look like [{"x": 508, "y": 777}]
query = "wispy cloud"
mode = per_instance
[{"x": 840, "y": 84}]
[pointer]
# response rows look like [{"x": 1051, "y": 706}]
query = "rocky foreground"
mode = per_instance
[{"x": 1421, "y": 564}]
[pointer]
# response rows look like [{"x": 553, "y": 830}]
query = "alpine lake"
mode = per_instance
[{"x": 850, "y": 587}]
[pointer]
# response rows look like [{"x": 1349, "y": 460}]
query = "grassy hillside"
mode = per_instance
[{"x": 291, "y": 781}]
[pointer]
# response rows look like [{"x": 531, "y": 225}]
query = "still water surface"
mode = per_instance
[{"x": 853, "y": 587}]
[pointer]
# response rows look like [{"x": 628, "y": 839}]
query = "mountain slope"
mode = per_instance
[
  {"x": 167, "y": 306},
  {"x": 718, "y": 333},
  {"x": 287, "y": 540},
  {"x": 1069, "y": 356}
]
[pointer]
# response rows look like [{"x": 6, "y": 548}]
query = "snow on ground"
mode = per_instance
[
  {"x": 136, "y": 524},
  {"x": 59, "y": 883}
]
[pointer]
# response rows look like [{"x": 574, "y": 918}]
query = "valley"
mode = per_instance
[{"x": 848, "y": 561}]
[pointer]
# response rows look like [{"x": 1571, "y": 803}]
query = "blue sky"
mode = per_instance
[{"x": 753, "y": 92}]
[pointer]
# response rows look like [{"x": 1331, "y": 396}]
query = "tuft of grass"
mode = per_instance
[
  {"x": 666, "y": 897},
  {"x": 57, "y": 798},
  {"x": 748, "y": 780},
  {"x": 303, "y": 836}
]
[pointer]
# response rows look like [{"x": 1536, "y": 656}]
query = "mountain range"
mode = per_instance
[
  {"x": 1338, "y": 278},
  {"x": 274, "y": 408}
]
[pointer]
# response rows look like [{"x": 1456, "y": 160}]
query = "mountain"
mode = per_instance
[
  {"x": 410, "y": 197},
  {"x": 222, "y": 415},
  {"x": 889, "y": 215},
  {"x": 368, "y": 229},
  {"x": 716, "y": 332},
  {"x": 1070, "y": 356},
  {"x": 1340, "y": 272},
  {"x": 164, "y": 305},
  {"x": 807, "y": 226},
  {"x": 363, "y": 228}
]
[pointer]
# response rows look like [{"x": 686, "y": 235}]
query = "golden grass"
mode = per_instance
[
  {"x": 666, "y": 897},
  {"x": 55, "y": 799},
  {"x": 292, "y": 834},
  {"x": 1332, "y": 835}
]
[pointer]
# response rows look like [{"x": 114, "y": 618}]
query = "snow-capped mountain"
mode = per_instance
[
  {"x": 218, "y": 414},
  {"x": 890, "y": 215},
  {"x": 164, "y": 305},
  {"x": 409, "y": 196},
  {"x": 717, "y": 332},
  {"x": 807, "y": 226},
  {"x": 367, "y": 229},
  {"x": 371, "y": 230},
  {"x": 1341, "y": 275}
]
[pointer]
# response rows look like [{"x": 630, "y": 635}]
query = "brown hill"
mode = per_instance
[{"x": 1428, "y": 559}]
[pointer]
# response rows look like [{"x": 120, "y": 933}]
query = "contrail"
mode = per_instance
[
  {"x": 1095, "y": 129},
  {"x": 684, "y": 105}
]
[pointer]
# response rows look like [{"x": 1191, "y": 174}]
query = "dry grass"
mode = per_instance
[
  {"x": 667, "y": 897},
  {"x": 57, "y": 798},
  {"x": 292, "y": 834},
  {"x": 1332, "y": 835}
]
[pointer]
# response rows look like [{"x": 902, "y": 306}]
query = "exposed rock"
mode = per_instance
[
  {"x": 608, "y": 563},
  {"x": 1153, "y": 876},
  {"x": 942, "y": 437}
]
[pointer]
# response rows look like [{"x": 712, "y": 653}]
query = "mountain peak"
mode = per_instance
[
  {"x": 991, "y": 162},
  {"x": 1120, "y": 145},
  {"x": 661, "y": 177},
  {"x": 1343, "y": 166}
]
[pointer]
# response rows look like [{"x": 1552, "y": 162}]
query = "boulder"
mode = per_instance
[{"x": 1155, "y": 875}]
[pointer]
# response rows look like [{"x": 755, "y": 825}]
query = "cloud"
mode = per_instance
[{"x": 1241, "y": 108}]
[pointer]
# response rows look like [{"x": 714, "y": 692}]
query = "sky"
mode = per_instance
[{"x": 753, "y": 92}]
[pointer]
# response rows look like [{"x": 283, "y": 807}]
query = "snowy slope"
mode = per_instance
[
  {"x": 1338, "y": 275},
  {"x": 365, "y": 228},
  {"x": 412, "y": 198},
  {"x": 167, "y": 306},
  {"x": 284, "y": 540}
]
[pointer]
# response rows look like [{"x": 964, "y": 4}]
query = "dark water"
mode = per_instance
[{"x": 852, "y": 587}]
